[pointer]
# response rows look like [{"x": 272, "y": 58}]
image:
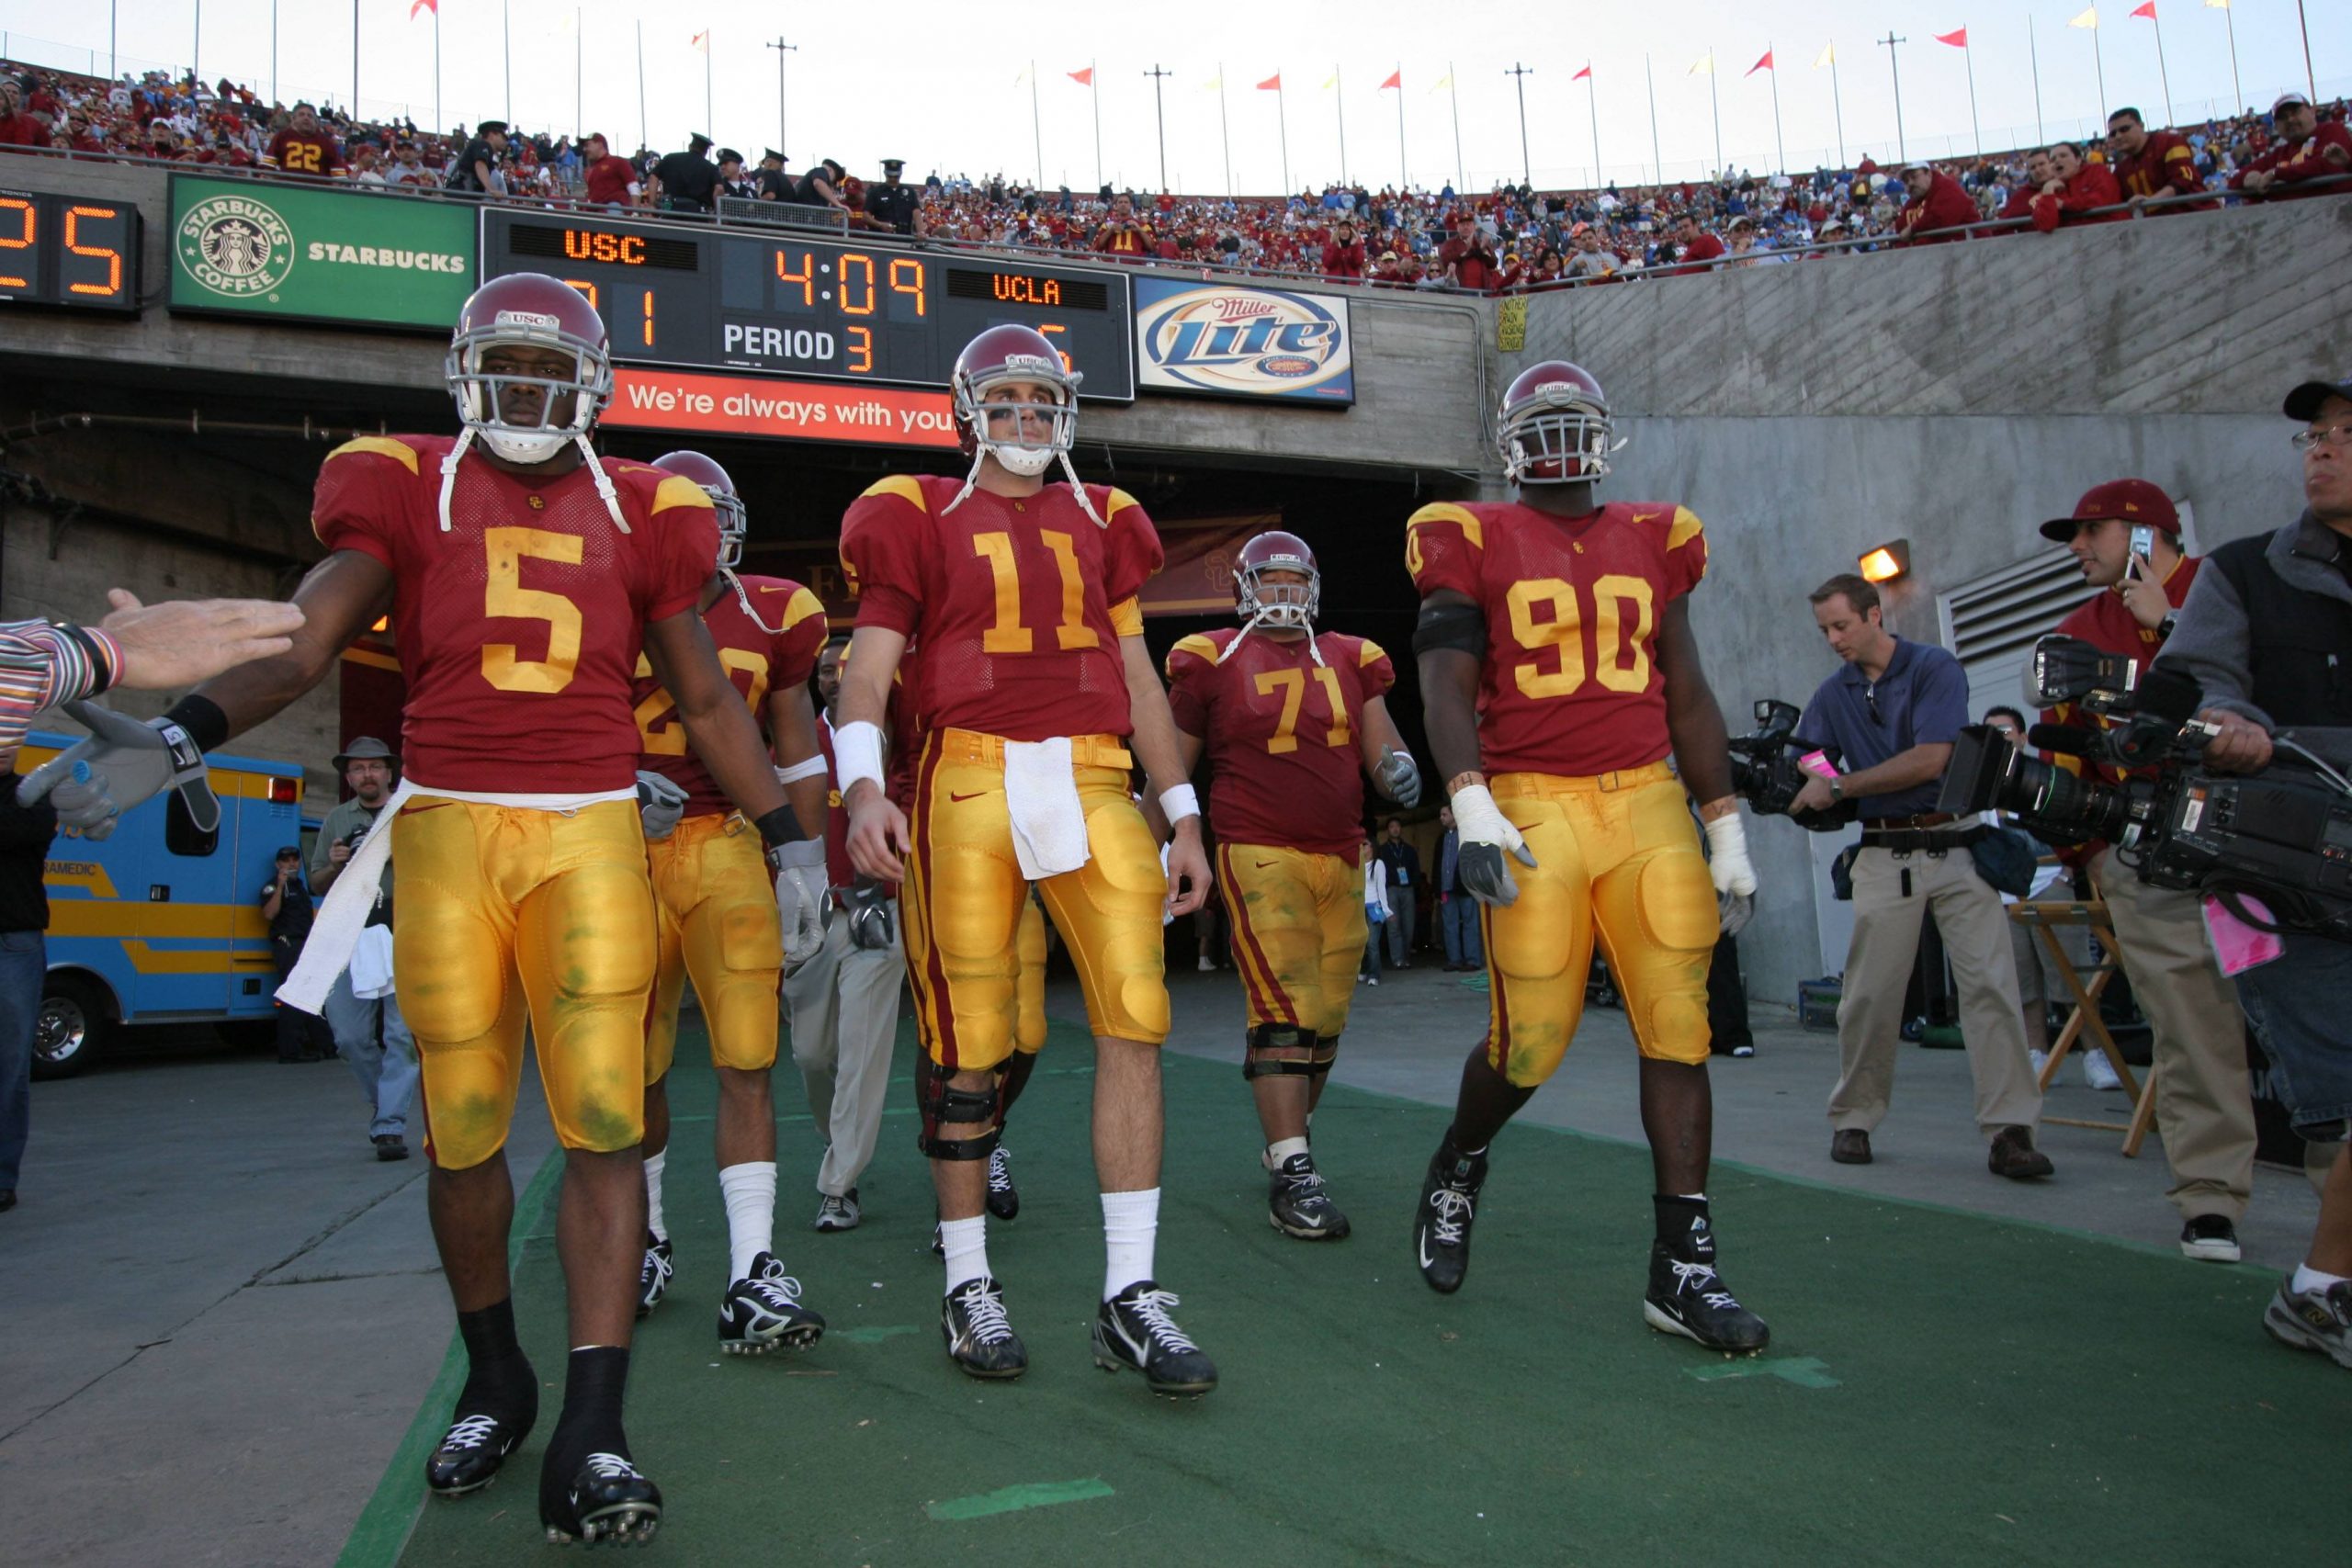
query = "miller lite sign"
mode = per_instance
[{"x": 1233, "y": 340}]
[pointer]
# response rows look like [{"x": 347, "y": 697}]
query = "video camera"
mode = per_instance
[
  {"x": 1765, "y": 771},
  {"x": 2283, "y": 835}
]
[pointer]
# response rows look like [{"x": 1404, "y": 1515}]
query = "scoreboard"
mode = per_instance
[
  {"x": 71, "y": 251},
  {"x": 780, "y": 304}
]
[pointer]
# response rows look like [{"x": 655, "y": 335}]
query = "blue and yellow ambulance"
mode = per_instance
[{"x": 160, "y": 923}]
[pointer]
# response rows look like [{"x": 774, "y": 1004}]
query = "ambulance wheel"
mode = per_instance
[{"x": 72, "y": 1028}]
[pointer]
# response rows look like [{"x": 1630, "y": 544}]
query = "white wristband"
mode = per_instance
[
  {"x": 857, "y": 754},
  {"x": 1179, "y": 803},
  {"x": 810, "y": 766}
]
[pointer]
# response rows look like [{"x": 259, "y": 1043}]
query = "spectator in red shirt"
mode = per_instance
[
  {"x": 2075, "y": 188},
  {"x": 1936, "y": 202},
  {"x": 2149, "y": 164},
  {"x": 2308, "y": 148},
  {"x": 2037, "y": 177},
  {"x": 1694, "y": 246},
  {"x": 19, "y": 129},
  {"x": 1343, "y": 254},
  {"x": 1121, "y": 235},
  {"x": 1466, "y": 260},
  {"x": 610, "y": 180},
  {"x": 303, "y": 147}
]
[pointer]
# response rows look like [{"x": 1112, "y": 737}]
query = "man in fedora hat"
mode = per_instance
[{"x": 369, "y": 1032}]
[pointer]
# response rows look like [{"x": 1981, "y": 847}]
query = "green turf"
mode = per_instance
[{"x": 1941, "y": 1388}]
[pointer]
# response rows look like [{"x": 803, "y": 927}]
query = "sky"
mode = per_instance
[{"x": 946, "y": 87}]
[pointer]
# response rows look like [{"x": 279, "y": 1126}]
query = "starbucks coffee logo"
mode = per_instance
[{"x": 236, "y": 246}]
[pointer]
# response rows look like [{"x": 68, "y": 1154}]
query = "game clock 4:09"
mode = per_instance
[
  {"x": 727, "y": 299},
  {"x": 75, "y": 252}
]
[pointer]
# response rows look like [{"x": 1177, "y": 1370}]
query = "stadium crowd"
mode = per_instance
[{"x": 1501, "y": 240}]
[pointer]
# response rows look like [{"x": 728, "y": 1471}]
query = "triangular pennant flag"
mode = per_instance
[
  {"x": 2148, "y": 10},
  {"x": 1442, "y": 82},
  {"x": 1957, "y": 40},
  {"x": 2216, "y": 5},
  {"x": 432, "y": 6},
  {"x": 1582, "y": 75},
  {"x": 2087, "y": 20},
  {"x": 1331, "y": 81},
  {"x": 1216, "y": 87},
  {"x": 1083, "y": 78},
  {"x": 1272, "y": 84},
  {"x": 1396, "y": 80},
  {"x": 1763, "y": 65},
  {"x": 1828, "y": 55},
  {"x": 1703, "y": 66},
  {"x": 701, "y": 41}
]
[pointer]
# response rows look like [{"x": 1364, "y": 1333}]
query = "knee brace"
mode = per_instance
[
  {"x": 1279, "y": 1048},
  {"x": 1327, "y": 1051},
  {"x": 944, "y": 1105}
]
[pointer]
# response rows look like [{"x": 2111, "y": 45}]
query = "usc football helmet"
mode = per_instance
[
  {"x": 734, "y": 519},
  {"x": 1279, "y": 606},
  {"x": 992, "y": 361},
  {"x": 1555, "y": 426},
  {"x": 530, "y": 309}
]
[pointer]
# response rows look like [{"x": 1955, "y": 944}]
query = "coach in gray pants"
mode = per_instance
[{"x": 1889, "y": 718}]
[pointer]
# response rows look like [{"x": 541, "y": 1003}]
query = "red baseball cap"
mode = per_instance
[{"x": 2131, "y": 501}]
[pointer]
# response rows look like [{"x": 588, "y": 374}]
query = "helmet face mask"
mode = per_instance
[
  {"x": 1004, "y": 427},
  {"x": 1554, "y": 427},
  {"x": 1286, "y": 605},
  {"x": 506, "y": 366}
]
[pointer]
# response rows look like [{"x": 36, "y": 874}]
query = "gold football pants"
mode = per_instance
[
  {"x": 714, "y": 901},
  {"x": 1029, "y": 987},
  {"x": 1617, "y": 858},
  {"x": 502, "y": 911},
  {"x": 964, "y": 893},
  {"x": 1298, "y": 934}
]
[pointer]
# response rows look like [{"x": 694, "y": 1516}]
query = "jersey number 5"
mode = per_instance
[
  {"x": 1008, "y": 635},
  {"x": 1292, "y": 683},
  {"x": 505, "y": 598},
  {"x": 1564, "y": 630}
]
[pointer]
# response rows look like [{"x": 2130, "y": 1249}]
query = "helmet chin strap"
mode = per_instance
[
  {"x": 604, "y": 482},
  {"x": 972, "y": 480},
  {"x": 1078, "y": 490},
  {"x": 449, "y": 471},
  {"x": 745, "y": 600},
  {"x": 1265, "y": 612}
]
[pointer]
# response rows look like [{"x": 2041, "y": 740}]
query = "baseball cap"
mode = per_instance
[
  {"x": 288, "y": 852},
  {"x": 2289, "y": 100},
  {"x": 2303, "y": 404},
  {"x": 2131, "y": 501}
]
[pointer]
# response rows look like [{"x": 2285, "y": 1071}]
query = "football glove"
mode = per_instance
[
  {"x": 1487, "y": 833},
  {"x": 800, "y": 869},
  {"x": 1734, "y": 873},
  {"x": 661, "y": 805},
  {"x": 1398, "y": 778},
  {"x": 869, "y": 914},
  {"x": 83, "y": 807},
  {"x": 130, "y": 763}
]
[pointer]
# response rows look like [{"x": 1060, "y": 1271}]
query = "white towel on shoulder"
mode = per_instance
[{"x": 1041, "y": 796}]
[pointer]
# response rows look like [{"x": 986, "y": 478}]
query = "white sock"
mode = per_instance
[
  {"x": 750, "y": 1191},
  {"x": 1281, "y": 1150},
  {"x": 1130, "y": 1225},
  {"x": 653, "y": 1221},
  {"x": 966, "y": 1242},
  {"x": 2309, "y": 1279}
]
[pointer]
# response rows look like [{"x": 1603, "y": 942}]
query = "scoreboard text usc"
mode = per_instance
[{"x": 726, "y": 300}]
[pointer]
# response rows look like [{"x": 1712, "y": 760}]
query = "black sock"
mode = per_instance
[
  {"x": 590, "y": 1423},
  {"x": 499, "y": 1380},
  {"x": 1684, "y": 1227},
  {"x": 1486, "y": 1101}
]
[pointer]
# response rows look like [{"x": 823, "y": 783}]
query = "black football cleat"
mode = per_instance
[
  {"x": 979, "y": 1336},
  {"x": 762, "y": 1313},
  {"x": 1133, "y": 1329},
  {"x": 653, "y": 1276},
  {"x": 608, "y": 1499},
  {"x": 1297, "y": 1206},
  {"x": 471, "y": 1454},
  {"x": 1688, "y": 1297},
  {"x": 1004, "y": 1199},
  {"x": 1441, "y": 1224}
]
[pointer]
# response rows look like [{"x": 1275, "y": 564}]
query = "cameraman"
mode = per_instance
[
  {"x": 1892, "y": 715},
  {"x": 2264, "y": 633},
  {"x": 2204, "y": 1106}
]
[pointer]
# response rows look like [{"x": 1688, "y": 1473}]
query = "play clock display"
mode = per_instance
[
  {"x": 73, "y": 251},
  {"x": 724, "y": 300}
]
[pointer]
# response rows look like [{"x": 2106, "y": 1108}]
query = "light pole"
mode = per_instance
[{"x": 1520, "y": 73}]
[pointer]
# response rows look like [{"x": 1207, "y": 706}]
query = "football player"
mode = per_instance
[
  {"x": 1291, "y": 718},
  {"x": 524, "y": 575},
  {"x": 1559, "y": 672},
  {"x": 716, "y": 904},
  {"x": 1020, "y": 601}
]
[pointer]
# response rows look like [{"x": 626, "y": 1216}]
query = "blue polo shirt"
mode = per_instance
[{"x": 1922, "y": 700}]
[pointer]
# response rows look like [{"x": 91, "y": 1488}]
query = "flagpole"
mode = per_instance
[
  {"x": 1096, "y": 94},
  {"x": 644, "y": 130},
  {"x": 2311, "y": 84},
  {"x": 2162, "y": 74},
  {"x": 709, "y": 107},
  {"x": 273, "y": 43},
  {"x": 2237, "y": 93},
  {"x": 1453, "y": 92},
  {"x": 1836, "y": 103},
  {"x": 439, "y": 125},
  {"x": 1339, "y": 101},
  {"x": 1404, "y": 172},
  {"x": 1658, "y": 159},
  {"x": 1714, "y": 102},
  {"x": 579, "y": 68},
  {"x": 1282, "y": 119},
  {"x": 1968, "y": 56},
  {"x": 1780, "y": 148},
  {"x": 1592, "y": 101},
  {"x": 2098, "y": 61},
  {"x": 2033, "y": 56},
  {"x": 507, "y": 47},
  {"x": 1036, "y": 130},
  {"x": 1223, "y": 129}
]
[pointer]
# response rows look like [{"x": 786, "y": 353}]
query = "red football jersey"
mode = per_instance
[
  {"x": 519, "y": 630},
  {"x": 1571, "y": 685},
  {"x": 757, "y": 661},
  {"x": 1014, "y": 607},
  {"x": 1283, "y": 733},
  {"x": 297, "y": 152}
]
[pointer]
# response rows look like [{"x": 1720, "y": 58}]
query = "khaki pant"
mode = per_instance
[
  {"x": 844, "y": 1011},
  {"x": 2204, "y": 1103},
  {"x": 1878, "y": 966}
]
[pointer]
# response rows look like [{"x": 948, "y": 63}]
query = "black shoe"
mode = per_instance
[
  {"x": 1849, "y": 1145},
  {"x": 1004, "y": 1199},
  {"x": 608, "y": 1499},
  {"x": 1133, "y": 1329},
  {"x": 470, "y": 1453},
  {"x": 2211, "y": 1237},
  {"x": 1297, "y": 1206},
  {"x": 1442, "y": 1223},
  {"x": 980, "y": 1336},
  {"x": 653, "y": 1275},
  {"x": 762, "y": 1313},
  {"x": 2014, "y": 1156},
  {"x": 1687, "y": 1297},
  {"x": 390, "y": 1145}
]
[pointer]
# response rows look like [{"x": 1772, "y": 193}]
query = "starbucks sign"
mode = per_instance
[{"x": 338, "y": 257}]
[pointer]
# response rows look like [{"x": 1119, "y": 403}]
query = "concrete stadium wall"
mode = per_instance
[{"x": 1955, "y": 397}]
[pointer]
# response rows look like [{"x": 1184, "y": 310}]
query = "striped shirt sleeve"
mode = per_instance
[{"x": 42, "y": 664}]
